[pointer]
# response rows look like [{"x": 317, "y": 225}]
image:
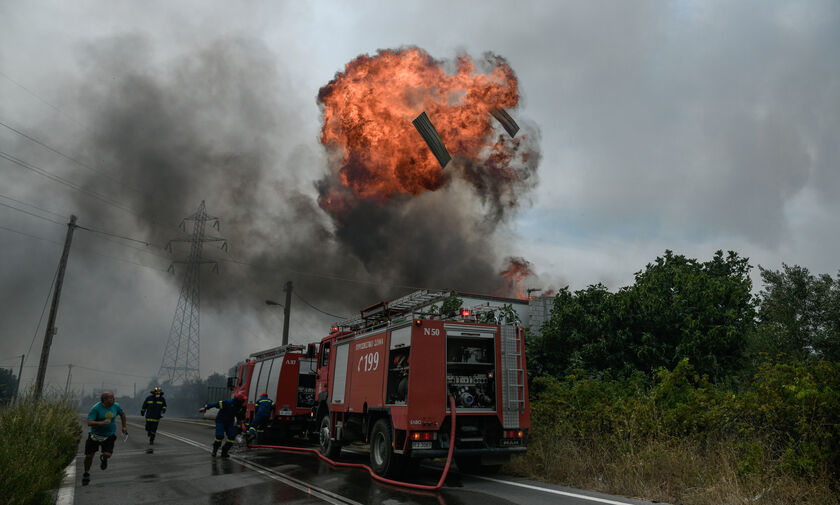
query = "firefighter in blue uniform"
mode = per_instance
[
  {"x": 153, "y": 408},
  {"x": 264, "y": 408},
  {"x": 229, "y": 411}
]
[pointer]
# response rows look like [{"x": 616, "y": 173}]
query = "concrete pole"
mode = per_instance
[
  {"x": 48, "y": 336},
  {"x": 286, "y": 312},
  {"x": 69, "y": 374}
]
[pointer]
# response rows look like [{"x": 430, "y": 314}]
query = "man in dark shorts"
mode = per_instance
[{"x": 103, "y": 432}]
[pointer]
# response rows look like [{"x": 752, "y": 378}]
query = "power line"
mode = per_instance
[
  {"x": 56, "y": 151},
  {"x": 323, "y": 276},
  {"x": 61, "y": 180},
  {"x": 113, "y": 235},
  {"x": 28, "y": 235},
  {"x": 42, "y": 315},
  {"x": 97, "y": 253},
  {"x": 33, "y": 206},
  {"x": 316, "y": 308},
  {"x": 122, "y": 260},
  {"x": 94, "y": 370},
  {"x": 112, "y": 372},
  {"x": 30, "y": 213},
  {"x": 54, "y": 107}
]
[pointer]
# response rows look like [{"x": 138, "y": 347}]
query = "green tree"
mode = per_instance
[
  {"x": 799, "y": 315},
  {"x": 677, "y": 308},
  {"x": 696, "y": 310},
  {"x": 8, "y": 382}
]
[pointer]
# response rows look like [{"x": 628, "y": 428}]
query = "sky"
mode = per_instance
[{"x": 649, "y": 126}]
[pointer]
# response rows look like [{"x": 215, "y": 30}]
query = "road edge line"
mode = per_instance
[
  {"x": 67, "y": 491},
  {"x": 554, "y": 491}
]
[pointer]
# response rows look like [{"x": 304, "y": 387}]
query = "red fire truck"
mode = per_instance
[
  {"x": 386, "y": 377},
  {"x": 287, "y": 374}
]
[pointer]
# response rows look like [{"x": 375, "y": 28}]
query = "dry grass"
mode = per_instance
[{"x": 675, "y": 471}]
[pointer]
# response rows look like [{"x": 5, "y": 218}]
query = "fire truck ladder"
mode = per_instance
[
  {"x": 416, "y": 300},
  {"x": 408, "y": 303},
  {"x": 513, "y": 377}
]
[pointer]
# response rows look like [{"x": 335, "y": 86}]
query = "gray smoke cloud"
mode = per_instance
[{"x": 212, "y": 125}]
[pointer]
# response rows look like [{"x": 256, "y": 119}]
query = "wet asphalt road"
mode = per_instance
[{"x": 181, "y": 471}]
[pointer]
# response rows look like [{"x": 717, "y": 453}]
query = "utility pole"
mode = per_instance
[
  {"x": 135, "y": 390},
  {"x": 286, "y": 312},
  {"x": 17, "y": 386},
  {"x": 48, "y": 336},
  {"x": 69, "y": 374}
]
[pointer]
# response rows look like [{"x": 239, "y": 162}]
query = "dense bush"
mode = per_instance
[
  {"x": 39, "y": 440},
  {"x": 783, "y": 428}
]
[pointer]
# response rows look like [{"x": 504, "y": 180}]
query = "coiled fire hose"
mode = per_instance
[{"x": 423, "y": 487}]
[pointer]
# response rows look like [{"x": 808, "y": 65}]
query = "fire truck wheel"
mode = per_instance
[
  {"x": 329, "y": 448},
  {"x": 472, "y": 464},
  {"x": 382, "y": 458}
]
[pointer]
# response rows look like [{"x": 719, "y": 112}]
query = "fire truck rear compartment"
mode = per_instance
[{"x": 471, "y": 370}]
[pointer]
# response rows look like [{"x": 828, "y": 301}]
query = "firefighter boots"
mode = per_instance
[{"x": 226, "y": 449}]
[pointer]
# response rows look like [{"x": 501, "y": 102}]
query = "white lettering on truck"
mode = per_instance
[{"x": 370, "y": 361}]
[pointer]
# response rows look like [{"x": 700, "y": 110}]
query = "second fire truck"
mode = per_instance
[{"x": 387, "y": 378}]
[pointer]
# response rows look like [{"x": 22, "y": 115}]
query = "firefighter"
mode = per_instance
[
  {"x": 153, "y": 408},
  {"x": 229, "y": 411},
  {"x": 264, "y": 408}
]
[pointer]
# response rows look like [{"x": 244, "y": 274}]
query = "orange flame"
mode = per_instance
[
  {"x": 367, "y": 114},
  {"x": 518, "y": 269}
]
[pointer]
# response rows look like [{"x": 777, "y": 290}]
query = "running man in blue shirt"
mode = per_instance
[
  {"x": 229, "y": 410},
  {"x": 103, "y": 429}
]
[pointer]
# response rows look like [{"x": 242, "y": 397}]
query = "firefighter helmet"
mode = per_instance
[
  {"x": 241, "y": 397},
  {"x": 157, "y": 391}
]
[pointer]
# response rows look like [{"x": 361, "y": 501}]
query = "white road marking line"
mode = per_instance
[
  {"x": 67, "y": 491},
  {"x": 209, "y": 422},
  {"x": 323, "y": 494},
  {"x": 554, "y": 491}
]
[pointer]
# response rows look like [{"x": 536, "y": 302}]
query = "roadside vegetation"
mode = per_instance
[
  {"x": 687, "y": 389},
  {"x": 39, "y": 440}
]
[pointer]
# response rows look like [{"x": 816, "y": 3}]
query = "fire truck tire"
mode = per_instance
[
  {"x": 383, "y": 461},
  {"x": 472, "y": 464},
  {"x": 329, "y": 448}
]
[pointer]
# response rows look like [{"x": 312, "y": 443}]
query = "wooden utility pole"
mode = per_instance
[
  {"x": 48, "y": 336},
  {"x": 286, "y": 312}
]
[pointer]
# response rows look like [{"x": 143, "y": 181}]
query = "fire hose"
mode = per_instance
[{"x": 423, "y": 487}]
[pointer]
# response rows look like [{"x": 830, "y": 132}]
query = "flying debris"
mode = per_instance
[
  {"x": 430, "y": 135},
  {"x": 507, "y": 122}
]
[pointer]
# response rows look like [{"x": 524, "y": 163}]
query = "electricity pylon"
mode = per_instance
[{"x": 180, "y": 361}]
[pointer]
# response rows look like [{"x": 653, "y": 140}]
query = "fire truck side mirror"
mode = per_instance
[
  {"x": 311, "y": 350},
  {"x": 231, "y": 382}
]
